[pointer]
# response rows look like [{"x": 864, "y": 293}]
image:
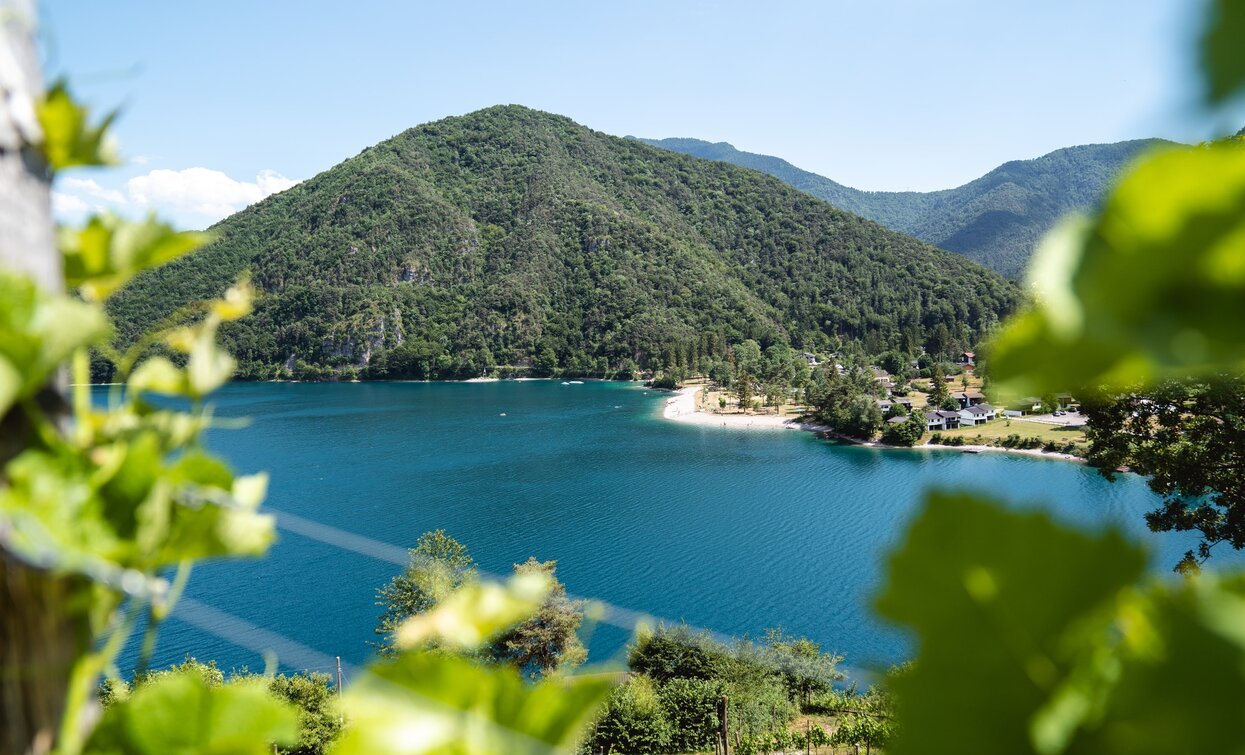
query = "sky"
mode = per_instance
[{"x": 224, "y": 102}]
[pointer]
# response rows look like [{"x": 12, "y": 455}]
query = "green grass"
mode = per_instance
[{"x": 1003, "y": 427}]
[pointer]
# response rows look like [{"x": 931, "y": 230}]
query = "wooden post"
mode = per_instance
[
  {"x": 42, "y": 629},
  {"x": 724, "y": 724}
]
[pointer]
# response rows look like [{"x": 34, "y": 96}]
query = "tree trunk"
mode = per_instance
[{"x": 41, "y": 633}]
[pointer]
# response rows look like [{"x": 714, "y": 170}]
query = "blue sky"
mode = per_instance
[{"x": 226, "y": 101}]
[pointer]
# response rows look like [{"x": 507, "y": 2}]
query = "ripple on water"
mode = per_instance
[{"x": 727, "y": 529}]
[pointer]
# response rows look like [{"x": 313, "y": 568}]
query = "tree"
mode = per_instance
[
  {"x": 312, "y": 694},
  {"x": 437, "y": 565},
  {"x": 805, "y": 670},
  {"x": 743, "y": 390},
  {"x": 906, "y": 433},
  {"x": 1186, "y": 437},
  {"x": 748, "y": 358},
  {"x": 857, "y": 415},
  {"x": 546, "y": 362},
  {"x": 548, "y": 642},
  {"x": 937, "y": 385}
]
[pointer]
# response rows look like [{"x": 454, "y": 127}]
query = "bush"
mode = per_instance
[
  {"x": 935, "y": 439},
  {"x": 676, "y": 653},
  {"x": 665, "y": 381},
  {"x": 691, "y": 708},
  {"x": 634, "y": 720}
]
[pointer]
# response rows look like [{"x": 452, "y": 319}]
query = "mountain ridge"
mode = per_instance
[
  {"x": 512, "y": 237},
  {"x": 996, "y": 219}
]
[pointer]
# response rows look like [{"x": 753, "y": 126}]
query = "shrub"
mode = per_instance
[
  {"x": 634, "y": 720},
  {"x": 690, "y": 706}
]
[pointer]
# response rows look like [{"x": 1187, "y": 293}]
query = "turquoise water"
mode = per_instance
[{"x": 731, "y": 530}]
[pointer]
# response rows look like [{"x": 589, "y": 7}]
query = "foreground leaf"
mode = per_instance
[
  {"x": 998, "y": 601},
  {"x": 108, "y": 251},
  {"x": 1153, "y": 286},
  {"x": 1222, "y": 62},
  {"x": 182, "y": 714},
  {"x": 38, "y": 331},
  {"x": 475, "y": 612},
  {"x": 69, "y": 139},
  {"x": 1181, "y": 685},
  {"x": 423, "y": 702}
]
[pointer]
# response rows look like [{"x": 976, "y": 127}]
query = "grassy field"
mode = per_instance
[{"x": 1003, "y": 427}]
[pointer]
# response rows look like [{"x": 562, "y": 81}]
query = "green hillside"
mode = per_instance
[
  {"x": 511, "y": 237},
  {"x": 996, "y": 220}
]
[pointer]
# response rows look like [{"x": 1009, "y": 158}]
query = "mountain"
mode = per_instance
[
  {"x": 996, "y": 220},
  {"x": 512, "y": 237}
]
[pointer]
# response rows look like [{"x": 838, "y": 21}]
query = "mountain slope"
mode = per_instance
[
  {"x": 996, "y": 220},
  {"x": 515, "y": 237}
]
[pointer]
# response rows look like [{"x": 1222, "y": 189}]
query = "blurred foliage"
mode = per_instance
[
  {"x": 530, "y": 624},
  {"x": 107, "y": 252},
  {"x": 122, "y": 492},
  {"x": 443, "y": 703},
  {"x": 1222, "y": 62},
  {"x": 69, "y": 138},
  {"x": 1151, "y": 287},
  {"x": 1057, "y": 640},
  {"x": 186, "y": 713}
]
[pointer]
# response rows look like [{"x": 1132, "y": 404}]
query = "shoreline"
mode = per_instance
[{"x": 681, "y": 407}]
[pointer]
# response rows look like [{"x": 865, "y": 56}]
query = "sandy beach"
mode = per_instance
[{"x": 681, "y": 407}]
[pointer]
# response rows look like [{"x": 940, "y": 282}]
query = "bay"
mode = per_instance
[{"x": 729, "y": 530}]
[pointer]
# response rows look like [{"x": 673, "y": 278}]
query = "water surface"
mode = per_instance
[{"x": 731, "y": 530}]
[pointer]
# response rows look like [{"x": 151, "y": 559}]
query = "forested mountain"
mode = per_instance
[
  {"x": 996, "y": 220},
  {"x": 511, "y": 237}
]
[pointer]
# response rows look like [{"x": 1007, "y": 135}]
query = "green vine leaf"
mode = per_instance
[
  {"x": 182, "y": 713},
  {"x": 69, "y": 139},
  {"x": 39, "y": 331},
  {"x": 108, "y": 251},
  {"x": 426, "y": 702},
  {"x": 1153, "y": 286},
  {"x": 1003, "y": 604},
  {"x": 1223, "y": 65}
]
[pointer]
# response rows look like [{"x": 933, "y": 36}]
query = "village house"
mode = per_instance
[
  {"x": 969, "y": 398},
  {"x": 942, "y": 420},
  {"x": 976, "y": 414}
]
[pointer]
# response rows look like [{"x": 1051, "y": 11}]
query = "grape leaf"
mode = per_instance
[
  {"x": 178, "y": 714},
  {"x": 995, "y": 598},
  {"x": 1153, "y": 286}
]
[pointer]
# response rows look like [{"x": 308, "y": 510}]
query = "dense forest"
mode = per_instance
[
  {"x": 511, "y": 239},
  {"x": 996, "y": 220}
]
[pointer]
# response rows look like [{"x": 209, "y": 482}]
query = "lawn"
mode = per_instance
[{"x": 1005, "y": 426}]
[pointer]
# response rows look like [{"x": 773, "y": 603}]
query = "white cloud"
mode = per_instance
[
  {"x": 68, "y": 204},
  {"x": 201, "y": 191},
  {"x": 91, "y": 189}
]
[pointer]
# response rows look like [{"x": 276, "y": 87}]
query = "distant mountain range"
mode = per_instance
[
  {"x": 512, "y": 237},
  {"x": 996, "y": 220}
]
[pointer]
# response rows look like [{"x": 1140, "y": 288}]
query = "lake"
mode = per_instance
[{"x": 730, "y": 530}]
